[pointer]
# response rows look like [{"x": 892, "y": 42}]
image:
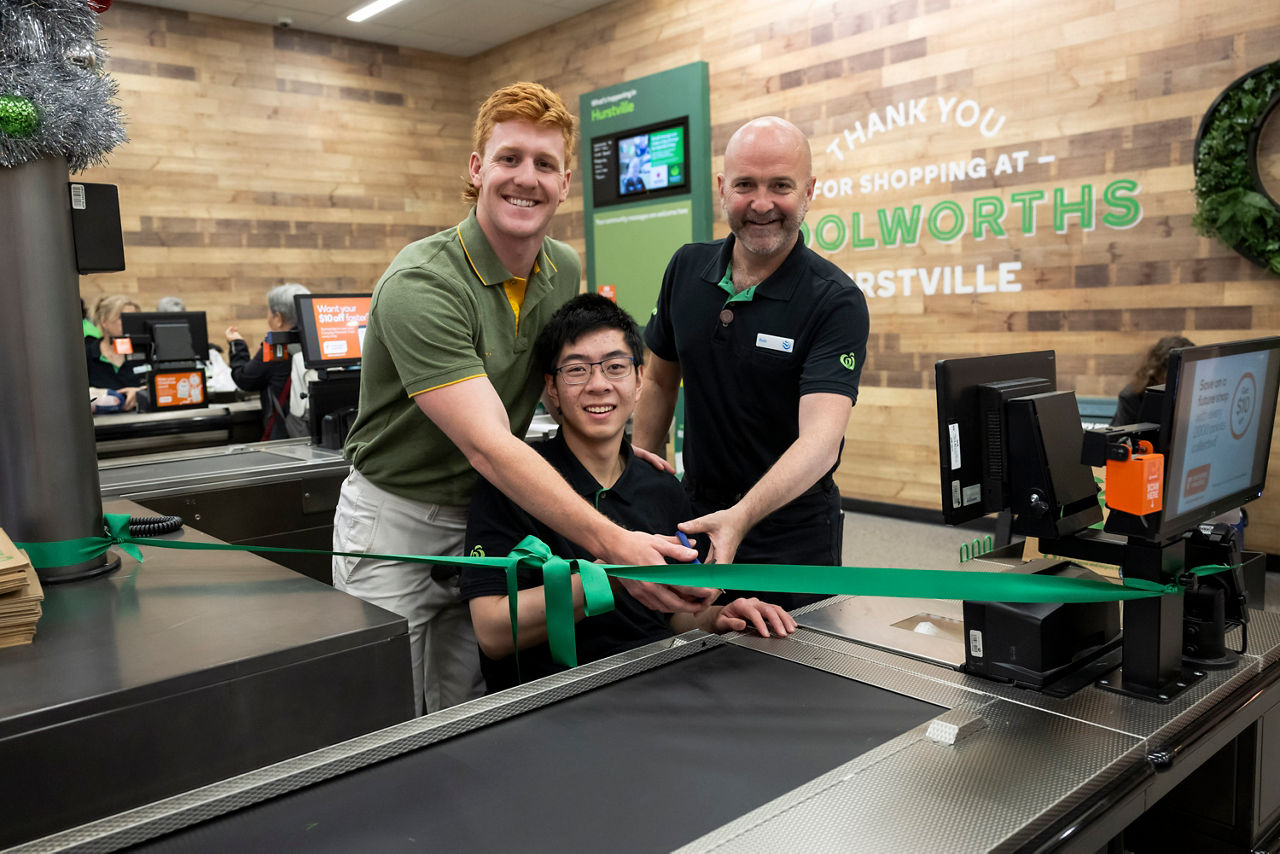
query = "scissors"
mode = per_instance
[{"x": 684, "y": 541}]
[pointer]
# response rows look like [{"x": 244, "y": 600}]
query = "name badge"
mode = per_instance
[{"x": 774, "y": 342}]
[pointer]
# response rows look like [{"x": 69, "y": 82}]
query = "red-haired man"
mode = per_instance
[{"x": 448, "y": 385}]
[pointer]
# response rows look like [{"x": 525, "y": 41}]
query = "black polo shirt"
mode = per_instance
[
  {"x": 643, "y": 499},
  {"x": 801, "y": 331},
  {"x": 103, "y": 374}
]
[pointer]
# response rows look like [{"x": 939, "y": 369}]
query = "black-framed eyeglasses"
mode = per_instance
[{"x": 615, "y": 368}]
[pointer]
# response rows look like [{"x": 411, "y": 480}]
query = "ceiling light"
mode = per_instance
[{"x": 368, "y": 10}]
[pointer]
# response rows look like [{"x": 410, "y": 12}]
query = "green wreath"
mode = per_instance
[{"x": 1231, "y": 203}]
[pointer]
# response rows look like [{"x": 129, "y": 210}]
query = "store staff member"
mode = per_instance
[
  {"x": 770, "y": 339},
  {"x": 108, "y": 370},
  {"x": 448, "y": 384}
]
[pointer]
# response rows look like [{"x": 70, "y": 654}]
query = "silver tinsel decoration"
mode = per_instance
[{"x": 50, "y": 57}]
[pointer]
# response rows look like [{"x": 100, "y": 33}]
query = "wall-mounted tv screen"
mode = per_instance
[
  {"x": 651, "y": 161},
  {"x": 332, "y": 328},
  {"x": 641, "y": 163}
]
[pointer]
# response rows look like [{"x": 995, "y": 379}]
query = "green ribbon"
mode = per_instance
[
  {"x": 557, "y": 573},
  {"x": 557, "y": 579},
  {"x": 70, "y": 552},
  {"x": 889, "y": 581}
]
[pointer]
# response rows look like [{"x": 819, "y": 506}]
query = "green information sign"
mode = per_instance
[
  {"x": 646, "y": 164},
  {"x": 626, "y": 265},
  {"x": 647, "y": 189}
]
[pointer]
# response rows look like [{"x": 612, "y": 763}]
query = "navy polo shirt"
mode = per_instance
[
  {"x": 643, "y": 499},
  {"x": 801, "y": 331}
]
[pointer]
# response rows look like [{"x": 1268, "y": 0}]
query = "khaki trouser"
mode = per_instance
[{"x": 446, "y": 660}]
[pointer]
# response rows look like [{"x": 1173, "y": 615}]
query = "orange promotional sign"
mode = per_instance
[{"x": 179, "y": 388}]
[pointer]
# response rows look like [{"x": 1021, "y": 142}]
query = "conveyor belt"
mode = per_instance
[{"x": 747, "y": 727}]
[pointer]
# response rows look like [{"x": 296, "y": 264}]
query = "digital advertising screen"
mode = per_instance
[
  {"x": 641, "y": 163},
  {"x": 332, "y": 327},
  {"x": 178, "y": 389},
  {"x": 1225, "y": 405},
  {"x": 651, "y": 161}
]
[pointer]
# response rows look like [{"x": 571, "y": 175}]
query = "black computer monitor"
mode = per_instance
[
  {"x": 1219, "y": 407},
  {"x": 973, "y": 464},
  {"x": 1008, "y": 440},
  {"x": 173, "y": 336},
  {"x": 332, "y": 328}
]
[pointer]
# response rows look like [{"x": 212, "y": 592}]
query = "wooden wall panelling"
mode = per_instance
[
  {"x": 259, "y": 156},
  {"x": 218, "y": 204},
  {"x": 1109, "y": 90}
]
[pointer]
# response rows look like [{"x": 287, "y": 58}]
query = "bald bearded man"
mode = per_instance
[{"x": 769, "y": 339}]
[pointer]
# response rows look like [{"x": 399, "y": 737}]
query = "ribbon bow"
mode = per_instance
[
  {"x": 557, "y": 579},
  {"x": 71, "y": 552}
]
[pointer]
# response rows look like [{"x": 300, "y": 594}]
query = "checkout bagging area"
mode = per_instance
[{"x": 215, "y": 701}]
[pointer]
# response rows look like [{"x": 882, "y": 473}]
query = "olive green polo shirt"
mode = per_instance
[{"x": 440, "y": 315}]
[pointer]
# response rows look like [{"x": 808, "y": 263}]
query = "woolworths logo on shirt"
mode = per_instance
[
  {"x": 477, "y": 550},
  {"x": 849, "y": 360}
]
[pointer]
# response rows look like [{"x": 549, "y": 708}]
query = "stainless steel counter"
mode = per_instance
[
  {"x": 194, "y": 470},
  {"x": 181, "y": 670},
  {"x": 994, "y": 768}
]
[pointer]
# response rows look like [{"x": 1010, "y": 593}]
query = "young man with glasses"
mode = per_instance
[{"x": 590, "y": 354}]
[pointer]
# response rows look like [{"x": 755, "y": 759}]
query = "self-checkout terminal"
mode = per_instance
[
  {"x": 1010, "y": 441},
  {"x": 331, "y": 329},
  {"x": 169, "y": 348}
]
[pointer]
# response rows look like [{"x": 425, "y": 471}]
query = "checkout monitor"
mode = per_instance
[
  {"x": 175, "y": 336},
  {"x": 1219, "y": 411},
  {"x": 971, "y": 447},
  {"x": 332, "y": 328}
]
